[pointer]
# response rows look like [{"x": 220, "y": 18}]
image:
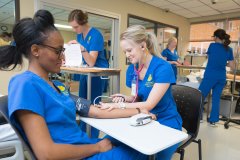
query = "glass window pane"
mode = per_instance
[{"x": 7, "y": 20}]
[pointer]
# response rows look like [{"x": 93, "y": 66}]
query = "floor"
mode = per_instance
[{"x": 218, "y": 143}]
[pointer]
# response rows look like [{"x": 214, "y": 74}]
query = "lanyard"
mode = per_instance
[{"x": 137, "y": 71}]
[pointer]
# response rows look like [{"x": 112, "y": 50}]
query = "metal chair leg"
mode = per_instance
[
  {"x": 182, "y": 151},
  {"x": 200, "y": 149}
]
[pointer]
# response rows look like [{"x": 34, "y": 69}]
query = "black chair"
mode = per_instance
[
  {"x": 189, "y": 103},
  {"x": 4, "y": 116}
]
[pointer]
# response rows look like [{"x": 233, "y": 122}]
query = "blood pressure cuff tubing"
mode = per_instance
[{"x": 82, "y": 105}]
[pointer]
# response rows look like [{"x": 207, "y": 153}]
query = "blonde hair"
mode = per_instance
[
  {"x": 138, "y": 34},
  {"x": 170, "y": 40}
]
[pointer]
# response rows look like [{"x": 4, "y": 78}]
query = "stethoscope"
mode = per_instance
[{"x": 137, "y": 73}]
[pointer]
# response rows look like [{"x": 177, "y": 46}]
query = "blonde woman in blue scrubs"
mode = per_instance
[
  {"x": 170, "y": 54},
  {"x": 150, "y": 78}
]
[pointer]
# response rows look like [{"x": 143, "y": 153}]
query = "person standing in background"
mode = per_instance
[
  {"x": 219, "y": 53},
  {"x": 92, "y": 47},
  {"x": 170, "y": 54}
]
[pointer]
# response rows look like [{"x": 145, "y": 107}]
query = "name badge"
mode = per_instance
[{"x": 134, "y": 88}]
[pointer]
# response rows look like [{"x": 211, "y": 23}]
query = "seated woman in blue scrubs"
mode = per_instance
[
  {"x": 170, "y": 54},
  {"x": 42, "y": 110},
  {"x": 150, "y": 78},
  {"x": 92, "y": 47},
  {"x": 219, "y": 53}
]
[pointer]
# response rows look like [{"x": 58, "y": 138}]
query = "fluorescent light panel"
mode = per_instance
[{"x": 63, "y": 26}]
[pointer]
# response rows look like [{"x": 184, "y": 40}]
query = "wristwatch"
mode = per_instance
[
  {"x": 122, "y": 105},
  {"x": 84, "y": 50}
]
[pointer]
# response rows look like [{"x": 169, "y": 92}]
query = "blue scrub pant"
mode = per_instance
[
  {"x": 217, "y": 86},
  {"x": 128, "y": 153},
  {"x": 120, "y": 152},
  {"x": 96, "y": 90},
  {"x": 174, "y": 67}
]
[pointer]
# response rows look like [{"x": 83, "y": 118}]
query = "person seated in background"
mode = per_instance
[
  {"x": 43, "y": 111},
  {"x": 5, "y": 38},
  {"x": 170, "y": 54}
]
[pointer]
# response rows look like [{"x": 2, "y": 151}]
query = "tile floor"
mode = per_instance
[{"x": 218, "y": 143}]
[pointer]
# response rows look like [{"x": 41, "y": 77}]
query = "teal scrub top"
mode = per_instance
[
  {"x": 171, "y": 57},
  {"x": 218, "y": 55},
  {"x": 28, "y": 91},
  {"x": 94, "y": 42}
]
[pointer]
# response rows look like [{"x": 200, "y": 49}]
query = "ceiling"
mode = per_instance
[
  {"x": 196, "y": 8},
  {"x": 185, "y": 8}
]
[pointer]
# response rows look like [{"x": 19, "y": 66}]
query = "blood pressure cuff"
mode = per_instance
[{"x": 82, "y": 105}]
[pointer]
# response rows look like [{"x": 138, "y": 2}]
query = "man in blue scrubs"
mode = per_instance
[
  {"x": 219, "y": 53},
  {"x": 92, "y": 47}
]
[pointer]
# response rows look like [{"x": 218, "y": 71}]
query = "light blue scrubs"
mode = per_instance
[
  {"x": 171, "y": 57},
  {"x": 159, "y": 71},
  {"x": 30, "y": 92},
  {"x": 215, "y": 76},
  {"x": 93, "y": 42}
]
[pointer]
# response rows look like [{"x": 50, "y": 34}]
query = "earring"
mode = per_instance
[{"x": 147, "y": 51}]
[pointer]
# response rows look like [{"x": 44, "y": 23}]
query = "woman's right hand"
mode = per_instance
[
  {"x": 116, "y": 98},
  {"x": 104, "y": 145},
  {"x": 73, "y": 42}
]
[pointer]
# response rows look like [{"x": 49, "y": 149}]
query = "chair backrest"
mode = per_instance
[
  {"x": 4, "y": 113},
  {"x": 189, "y": 103}
]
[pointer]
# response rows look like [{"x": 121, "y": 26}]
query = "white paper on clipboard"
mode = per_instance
[{"x": 73, "y": 55}]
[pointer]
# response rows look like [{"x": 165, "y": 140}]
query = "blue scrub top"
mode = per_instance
[
  {"x": 218, "y": 56},
  {"x": 171, "y": 57},
  {"x": 28, "y": 91},
  {"x": 159, "y": 71},
  {"x": 94, "y": 42}
]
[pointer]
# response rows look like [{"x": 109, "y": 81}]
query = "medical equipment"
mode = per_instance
[
  {"x": 94, "y": 101},
  {"x": 140, "y": 119},
  {"x": 82, "y": 105},
  {"x": 135, "y": 81}
]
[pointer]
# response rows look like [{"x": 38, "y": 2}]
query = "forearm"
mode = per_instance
[
  {"x": 115, "y": 113},
  {"x": 90, "y": 59},
  {"x": 66, "y": 151}
]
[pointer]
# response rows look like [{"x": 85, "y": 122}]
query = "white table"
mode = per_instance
[{"x": 148, "y": 139}]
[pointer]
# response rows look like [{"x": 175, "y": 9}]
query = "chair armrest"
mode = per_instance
[{"x": 18, "y": 149}]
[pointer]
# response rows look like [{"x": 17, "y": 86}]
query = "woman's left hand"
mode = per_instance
[{"x": 108, "y": 106}]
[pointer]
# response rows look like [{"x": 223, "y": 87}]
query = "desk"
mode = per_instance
[
  {"x": 93, "y": 72},
  {"x": 147, "y": 139},
  {"x": 191, "y": 67}
]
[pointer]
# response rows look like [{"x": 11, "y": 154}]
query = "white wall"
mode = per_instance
[{"x": 119, "y": 7}]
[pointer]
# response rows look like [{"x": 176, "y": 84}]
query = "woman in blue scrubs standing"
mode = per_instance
[
  {"x": 42, "y": 110},
  {"x": 92, "y": 48},
  {"x": 149, "y": 77},
  {"x": 170, "y": 54},
  {"x": 219, "y": 53}
]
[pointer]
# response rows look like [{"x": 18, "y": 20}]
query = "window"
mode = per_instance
[
  {"x": 201, "y": 34},
  {"x": 162, "y": 31}
]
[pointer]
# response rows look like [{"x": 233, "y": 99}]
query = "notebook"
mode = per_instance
[{"x": 73, "y": 55}]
